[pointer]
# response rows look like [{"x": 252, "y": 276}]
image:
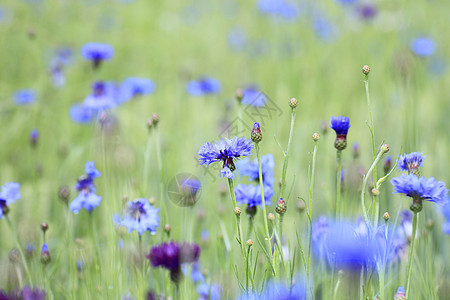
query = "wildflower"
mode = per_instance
[
  {"x": 252, "y": 96},
  {"x": 420, "y": 188},
  {"x": 24, "y": 97},
  {"x": 81, "y": 114},
  {"x": 97, "y": 52},
  {"x": 423, "y": 46},
  {"x": 256, "y": 135},
  {"x": 87, "y": 198},
  {"x": 9, "y": 194},
  {"x": 104, "y": 95},
  {"x": 133, "y": 87},
  {"x": 209, "y": 292},
  {"x": 367, "y": 11},
  {"x": 171, "y": 255},
  {"x": 251, "y": 195},
  {"x": 277, "y": 290},
  {"x": 140, "y": 216},
  {"x": 34, "y": 136},
  {"x": 203, "y": 86},
  {"x": 251, "y": 169},
  {"x": 340, "y": 125},
  {"x": 26, "y": 293},
  {"x": 446, "y": 213},
  {"x": 411, "y": 162},
  {"x": 225, "y": 150},
  {"x": 45, "y": 254},
  {"x": 400, "y": 294},
  {"x": 324, "y": 29},
  {"x": 277, "y": 8}
]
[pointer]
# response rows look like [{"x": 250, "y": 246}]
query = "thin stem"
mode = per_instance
[
  {"x": 372, "y": 131},
  {"x": 338, "y": 182},
  {"x": 147, "y": 163},
  {"x": 263, "y": 201},
  {"x": 161, "y": 182},
  {"x": 22, "y": 256},
  {"x": 286, "y": 155},
  {"x": 411, "y": 252},
  {"x": 238, "y": 218}
]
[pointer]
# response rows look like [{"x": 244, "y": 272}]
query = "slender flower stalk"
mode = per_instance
[
  {"x": 338, "y": 182},
  {"x": 411, "y": 251},
  {"x": 237, "y": 212},
  {"x": 293, "y": 104},
  {"x": 155, "y": 119},
  {"x": 366, "y": 71}
]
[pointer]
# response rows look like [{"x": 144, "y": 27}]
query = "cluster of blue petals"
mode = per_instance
[
  {"x": 139, "y": 216},
  {"x": 409, "y": 161},
  {"x": 86, "y": 198},
  {"x": 420, "y": 187},
  {"x": 340, "y": 125},
  {"x": 225, "y": 150},
  {"x": 97, "y": 52},
  {"x": 9, "y": 194},
  {"x": 203, "y": 86},
  {"x": 24, "y": 97}
]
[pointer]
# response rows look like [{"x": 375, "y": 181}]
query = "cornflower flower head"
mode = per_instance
[
  {"x": 140, "y": 216},
  {"x": 203, "y": 86},
  {"x": 104, "y": 96},
  {"x": 45, "y": 254},
  {"x": 209, "y": 292},
  {"x": 86, "y": 198},
  {"x": 171, "y": 255},
  {"x": 400, "y": 294},
  {"x": 225, "y": 150},
  {"x": 251, "y": 195},
  {"x": 133, "y": 87},
  {"x": 419, "y": 189},
  {"x": 251, "y": 169},
  {"x": 279, "y": 8},
  {"x": 26, "y": 293},
  {"x": 254, "y": 97},
  {"x": 446, "y": 213},
  {"x": 367, "y": 11},
  {"x": 423, "y": 46},
  {"x": 277, "y": 290},
  {"x": 9, "y": 194},
  {"x": 340, "y": 125},
  {"x": 24, "y": 97},
  {"x": 411, "y": 162},
  {"x": 97, "y": 52},
  {"x": 81, "y": 114}
]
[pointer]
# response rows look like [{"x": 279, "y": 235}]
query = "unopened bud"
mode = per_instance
[
  {"x": 387, "y": 165},
  {"x": 301, "y": 206},
  {"x": 237, "y": 211},
  {"x": 155, "y": 119},
  {"x": 239, "y": 95},
  {"x": 256, "y": 133},
  {"x": 385, "y": 148},
  {"x": 167, "y": 228},
  {"x": 386, "y": 216},
  {"x": 366, "y": 70},
  {"x": 315, "y": 137},
  {"x": 375, "y": 192},
  {"x": 150, "y": 123},
  {"x": 44, "y": 227},
  {"x": 271, "y": 217},
  {"x": 64, "y": 194},
  {"x": 250, "y": 243},
  {"x": 152, "y": 200},
  {"x": 281, "y": 207},
  {"x": 14, "y": 255},
  {"x": 45, "y": 254},
  {"x": 293, "y": 103}
]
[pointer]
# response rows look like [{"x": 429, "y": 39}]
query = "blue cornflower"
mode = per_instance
[
  {"x": 400, "y": 294},
  {"x": 203, "y": 86},
  {"x": 34, "y": 136},
  {"x": 411, "y": 162},
  {"x": 209, "y": 292},
  {"x": 420, "y": 188},
  {"x": 134, "y": 86},
  {"x": 251, "y": 194},
  {"x": 254, "y": 97},
  {"x": 251, "y": 169},
  {"x": 81, "y": 114},
  {"x": 277, "y": 290},
  {"x": 45, "y": 254},
  {"x": 343, "y": 244},
  {"x": 446, "y": 213},
  {"x": 225, "y": 150},
  {"x": 97, "y": 52},
  {"x": 281, "y": 8},
  {"x": 340, "y": 125},
  {"x": 24, "y": 97},
  {"x": 140, "y": 216},
  {"x": 104, "y": 96},
  {"x": 423, "y": 46},
  {"x": 367, "y": 11},
  {"x": 86, "y": 198},
  {"x": 9, "y": 194},
  {"x": 196, "y": 273}
]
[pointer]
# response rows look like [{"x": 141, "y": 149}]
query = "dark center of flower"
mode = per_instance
[
  {"x": 98, "y": 89},
  {"x": 136, "y": 210}
]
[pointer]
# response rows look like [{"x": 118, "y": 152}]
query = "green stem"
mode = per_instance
[
  {"x": 147, "y": 163},
  {"x": 22, "y": 256},
  {"x": 372, "y": 131},
  {"x": 338, "y": 183},
  {"x": 411, "y": 252},
  {"x": 286, "y": 155},
  {"x": 161, "y": 182},
  {"x": 238, "y": 218},
  {"x": 263, "y": 201},
  {"x": 311, "y": 194}
]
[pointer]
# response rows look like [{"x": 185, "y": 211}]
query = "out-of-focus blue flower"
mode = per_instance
[
  {"x": 9, "y": 194},
  {"x": 254, "y": 97},
  {"x": 97, "y": 52},
  {"x": 411, "y": 161},
  {"x": 225, "y": 150},
  {"x": 400, "y": 294},
  {"x": 421, "y": 188},
  {"x": 196, "y": 273},
  {"x": 446, "y": 213},
  {"x": 346, "y": 2},
  {"x": 208, "y": 292},
  {"x": 251, "y": 169},
  {"x": 190, "y": 186},
  {"x": 324, "y": 29},
  {"x": 26, "y": 293},
  {"x": 104, "y": 96},
  {"x": 24, "y": 97},
  {"x": 344, "y": 244},
  {"x": 134, "y": 86},
  {"x": 277, "y": 290},
  {"x": 86, "y": 198},
  {"x": 236, "y": 38},
  {"x": 279, "y": 8},
  {"x": 367, "y": 11},
  {"x": 140, "y": 216},
  {"x": 340, "y": 125},
  {"x": 423, "y": 46},
  {"x": 203, "y": 86},
  {"x": 34, "y": 136},
  {"x": 81, "y": 114},
  {"x": 251, "y": 194}
]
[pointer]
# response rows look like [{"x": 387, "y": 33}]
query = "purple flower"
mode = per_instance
[
  {"x": 411, "y": 162},
  {"x": 104, "y": 96},
  {"x": 140, "y": 216},
  {"x": 171, "y": 255},
  {"x": 26, "y": 293},
  {"x": 423, "y": 46},
  {"x": 24, "y": 97},
  {"x": 367, "y": 11},
  {"x": 420, "y": 188},
  {"x": 97, "y": 52},
  {"x": 203, "y": 86},
  {"x": 225, "y": 150}
]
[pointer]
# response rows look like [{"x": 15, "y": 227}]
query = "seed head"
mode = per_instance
[
  {"x": 366, "y": 70},
  {"x": 239, "y": 95},
  {"x": 293, "y": 103}
]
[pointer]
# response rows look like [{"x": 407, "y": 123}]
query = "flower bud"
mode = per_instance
[
  {"x": 34, "y": 137},
  {"x": 250, "y": 243},
  {"x": 155, "y": 119},
  {"x": 293, "y": 103},
  {"x": 386, "y": 216},
  {"x": 152, "y": 200},
  {"x": 375, "y": 192},
  {"x": 251, "y": 211},
  {"x": 271, "y": 217},
  {"x": 237, "y": 211},
  {"x": 44, "y": 227},
  {"x": 366, "y": 70},
  {"x": 167, "y": 228},
  {"x": 149, "y": 123},
  {"x": 385, "y": 148},
  {"x": 315, "y": 137},
  {"x": 387, "y": 165},
  {"x": 301, "y": 206},
  {"x": 64, "y": 194},
  {"x": 281, "y": 207},
  {"x": 45, "y": 254},
  {"x": 256, "y": 133},
  {"x": 14, "y": 255},
  {"x": 239, "y": 95}
]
